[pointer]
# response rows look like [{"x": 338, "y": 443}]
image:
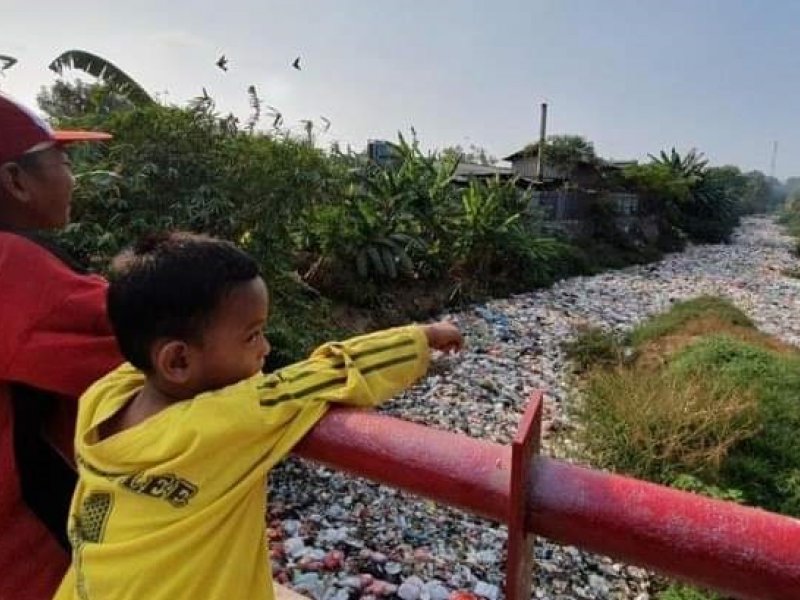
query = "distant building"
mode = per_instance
[
  {"x": 467, "y": 170},
  {"x": 585, "y": 174},
  {"x": 381, "y": 152}
]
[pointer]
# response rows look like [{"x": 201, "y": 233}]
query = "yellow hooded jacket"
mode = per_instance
[{"x": 175, "y": 506}]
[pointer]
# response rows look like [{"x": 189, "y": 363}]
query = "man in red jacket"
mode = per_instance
[{"x": 54, "y": 341}]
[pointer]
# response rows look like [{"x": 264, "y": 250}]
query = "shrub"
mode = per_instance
[
  {"x": 173, "y": 168},
  {"x": 372, "y": 237},
  {"x": 488, "y": 239}
]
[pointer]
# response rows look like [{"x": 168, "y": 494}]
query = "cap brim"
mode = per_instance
[{"x": 69, "y": 137}]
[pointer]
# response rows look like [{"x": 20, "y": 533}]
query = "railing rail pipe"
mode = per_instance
[{"x": 745, "y": 552}]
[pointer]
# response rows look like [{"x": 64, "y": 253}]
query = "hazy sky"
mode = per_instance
[{"x": 633, "y": 76}]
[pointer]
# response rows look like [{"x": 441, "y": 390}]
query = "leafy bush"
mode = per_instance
[
  {"x": 693, "y": 202},
  {"x": 388, "y": 220},
  {"x": 297, "y": 323},
  {"x": 690, "y": 483},
  {"x": 172, "y": 168},
  {"x": 713, "y": 213},
  {"x": 488, "y": 240},
  {"x": 365, "y": 237},
  {"x": 406, "y": 218}
]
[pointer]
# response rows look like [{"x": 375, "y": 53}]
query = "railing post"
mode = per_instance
[{"x": 519, "y": 563}]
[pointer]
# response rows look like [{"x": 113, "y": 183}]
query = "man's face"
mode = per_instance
[{"x": 48, "y": 183}]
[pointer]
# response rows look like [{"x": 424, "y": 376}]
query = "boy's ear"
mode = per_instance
[{"x": 172, "y": 360}]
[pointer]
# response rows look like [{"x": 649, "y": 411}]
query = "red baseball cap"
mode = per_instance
[{"x": 22, "y": 131}]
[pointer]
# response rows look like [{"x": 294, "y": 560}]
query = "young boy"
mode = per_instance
[{"x": 173, "y": 449}]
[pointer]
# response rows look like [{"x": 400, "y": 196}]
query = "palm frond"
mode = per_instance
[{"x": 105, "y": 71}]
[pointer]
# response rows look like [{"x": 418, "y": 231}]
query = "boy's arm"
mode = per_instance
[
  {"x": 365, "y": 370},
  {"x": 362, "y": 371}
]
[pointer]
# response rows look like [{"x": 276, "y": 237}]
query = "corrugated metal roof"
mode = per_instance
[{"x": 467, "y": 169}]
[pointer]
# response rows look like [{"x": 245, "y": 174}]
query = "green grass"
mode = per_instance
[
  {"x": 659, "y": 426},
  {"x": 708, "y": 404},
  {"x": 594, "y": 346},
  {"x": 683, "y": 312},
  {"x": 723, "y": 410},
  {"x": 766, "y": 467},
  {"x": 684, "y": 592}
]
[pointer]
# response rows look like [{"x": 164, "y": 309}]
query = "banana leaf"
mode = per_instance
[
  {"x": 389, "y": 262},
  {"x": 105, "y": 71}
]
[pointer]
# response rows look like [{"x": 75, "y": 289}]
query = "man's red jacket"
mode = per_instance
[{"x": 55, "y": 341}]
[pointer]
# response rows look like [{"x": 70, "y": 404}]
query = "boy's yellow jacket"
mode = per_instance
[{"x": 175, "y": 506}]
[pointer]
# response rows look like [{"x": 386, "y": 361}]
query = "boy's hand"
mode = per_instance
[{"x": 444, "y": 336}]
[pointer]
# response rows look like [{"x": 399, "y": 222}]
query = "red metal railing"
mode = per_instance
[{"x": 744, "y": 552}]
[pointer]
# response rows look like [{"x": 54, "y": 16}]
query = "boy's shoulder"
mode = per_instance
[{"x": 122, "y": 381}]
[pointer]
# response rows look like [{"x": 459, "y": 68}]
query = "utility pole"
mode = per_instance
[
  {"x": 774, "y": 158},
  {"x": 542, "y": 136}
]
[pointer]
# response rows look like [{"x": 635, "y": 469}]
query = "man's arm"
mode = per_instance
[{"x": 56, "y": 336}]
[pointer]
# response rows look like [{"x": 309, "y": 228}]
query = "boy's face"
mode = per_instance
[{"x": 234, "y": 346}]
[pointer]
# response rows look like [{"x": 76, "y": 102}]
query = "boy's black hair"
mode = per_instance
[{"x": 168, "y": 286}]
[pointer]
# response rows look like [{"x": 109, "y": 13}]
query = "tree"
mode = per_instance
[
  {"x": 692, "y": 164},
  {"x": 566, "y": 151},
  {"x": 730, "y": 180},
  {"x": 762, "y": 194},
  {"x": 692, "y": 200},
  {"x": 65, "y": 100},
  {"x": 791, "y": 184},
  {"x": 475, "y": 154}
]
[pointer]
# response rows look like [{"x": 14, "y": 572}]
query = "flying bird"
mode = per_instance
[
  {"x": 222, "y": 63},
  {"x": 296, "y": 63},
  {"x": 6, "y": 62},
  {"x": 327, "y": 123}
]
